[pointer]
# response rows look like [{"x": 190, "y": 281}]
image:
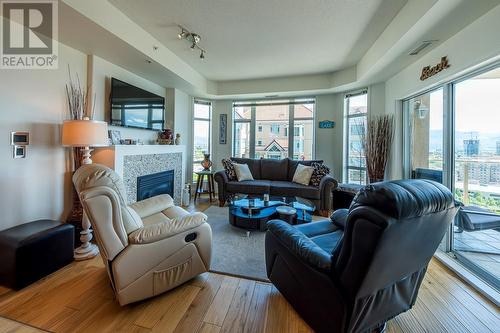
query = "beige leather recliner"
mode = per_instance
[{"x": 148, "y": 247}]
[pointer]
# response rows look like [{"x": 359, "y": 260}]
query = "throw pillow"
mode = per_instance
[
  {"x": 242, "y": 172},
  {"x": 320, "y": 170},
  {"x": 303, "y": 174},
  {"x": 229, "y": 168}
]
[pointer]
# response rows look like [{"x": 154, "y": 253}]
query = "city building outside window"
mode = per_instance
[
  {"x": 356, "y": 111},
  {"x": 202, "y": 114},
  {"x": 274, "y": 129}
]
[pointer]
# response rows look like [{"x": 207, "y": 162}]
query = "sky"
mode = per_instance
[{"x": 477, "y": 103}]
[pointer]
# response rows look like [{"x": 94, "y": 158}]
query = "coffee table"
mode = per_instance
[{"x": 252, "y": 213}]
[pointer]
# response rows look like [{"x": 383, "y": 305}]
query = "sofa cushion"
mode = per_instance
[
  {"x": 292, "y": 165},
  {"x": 249, "y": 186},
  {"x": 242, "y": 172},
  {"x": 289, "y": 189},
  {"x": 330, "y": 241},
  {"x": 317, "y": 228},
  {"x": 274, "y": 169},
  {"x": 320, "y": 171},
  {"x": 303, "y": 174},
  {"x": 229, "y": 168},
  {"x": 253, "y": 165}
]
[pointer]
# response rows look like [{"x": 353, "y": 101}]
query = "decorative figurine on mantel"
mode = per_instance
[
  {"x": 177, "y": 139},
  {"x": 206, "y": 163},
  {"x": 165, "y": 137}
]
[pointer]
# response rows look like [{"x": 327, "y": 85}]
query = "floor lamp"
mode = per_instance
[{"x": 85, "y": 133}]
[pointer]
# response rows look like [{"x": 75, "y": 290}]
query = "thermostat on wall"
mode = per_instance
[
  {"x": 19, "y": 141},
  {"x": 19, "y": 151},
  {"x": 19, "y": 138}
]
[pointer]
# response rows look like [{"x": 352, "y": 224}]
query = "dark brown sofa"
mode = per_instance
[{"x": 274, "y": 177}]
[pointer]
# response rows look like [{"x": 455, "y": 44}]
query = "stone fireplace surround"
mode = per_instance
[{"x": 131, "y": 162}]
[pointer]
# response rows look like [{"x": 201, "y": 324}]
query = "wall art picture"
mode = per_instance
[
  {"x": 115, "y": 137},
  {"x": 223, "y": 129}
]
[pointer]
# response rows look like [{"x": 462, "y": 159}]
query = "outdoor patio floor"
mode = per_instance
[{"x": 481, "y": 247}]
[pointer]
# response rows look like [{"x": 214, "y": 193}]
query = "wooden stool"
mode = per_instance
[{"x": 199, "y": 184}]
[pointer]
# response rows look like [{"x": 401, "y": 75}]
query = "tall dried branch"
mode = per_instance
[
  {"x": 79, "y": 106},
  {"x": 377, "y": 142}
]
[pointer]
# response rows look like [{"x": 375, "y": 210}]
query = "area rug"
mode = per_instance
[{"x": 233, "y": 252}]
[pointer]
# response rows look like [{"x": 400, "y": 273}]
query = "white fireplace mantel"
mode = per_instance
[{"x": 131, "y": 161}]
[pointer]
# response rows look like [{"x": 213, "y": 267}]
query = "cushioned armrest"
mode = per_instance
[
  {"x": 326, "y": 186},
  {"x": 221, "y": 176},
  {"x": 339, "y": 217},
  {"x": 300, "y": 245},
  {"x": 155, "y": 232},
  {"x": 328, "y": 182},
  {"x": 153, "y": 205}
]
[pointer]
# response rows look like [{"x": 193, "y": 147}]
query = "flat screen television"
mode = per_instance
[{"x": 135, "y": 107}]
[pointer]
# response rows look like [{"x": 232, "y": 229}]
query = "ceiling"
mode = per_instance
[{"x": 265, "y": 38}]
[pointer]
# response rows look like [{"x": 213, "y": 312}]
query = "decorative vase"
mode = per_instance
[
  {"x": 177, "y": 139},
  {"x": 206, "y": 163}
]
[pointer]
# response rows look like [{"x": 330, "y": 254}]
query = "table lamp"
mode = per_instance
[{"x": 85, "y": 133}]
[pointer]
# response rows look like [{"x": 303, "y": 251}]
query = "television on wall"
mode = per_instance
[{"x": 135, "y": 107}]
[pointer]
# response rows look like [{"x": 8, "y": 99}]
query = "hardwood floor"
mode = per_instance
[{"x": 78, "y": 298}]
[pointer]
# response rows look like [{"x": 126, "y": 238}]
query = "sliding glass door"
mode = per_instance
[
  {"x": 476, "y": 233},
  {"x": 425, "y": 119},
  {"x": 453, "y": 137}
]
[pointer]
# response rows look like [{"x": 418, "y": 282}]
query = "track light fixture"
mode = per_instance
[
  {"x": 193, "y": 39},
  {"x": 182, "y": 34}
]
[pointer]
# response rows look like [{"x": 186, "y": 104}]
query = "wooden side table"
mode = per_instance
[{"x": 199, "y": 184}]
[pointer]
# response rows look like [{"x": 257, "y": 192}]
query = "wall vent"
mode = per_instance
[{"x": 421, "y": 46}]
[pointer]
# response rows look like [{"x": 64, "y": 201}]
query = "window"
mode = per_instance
[
  {"x": 202, "y": 133},
  {"x": 452, "y": 136},
  {"x": 290, "y": 123},
  {"x": 356, "y": 110},
  {"x": 275, "y": 128}
]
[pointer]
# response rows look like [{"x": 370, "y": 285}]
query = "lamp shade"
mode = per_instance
[{"x": 84, "y": 133}]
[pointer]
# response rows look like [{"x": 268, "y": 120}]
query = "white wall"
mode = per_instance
[
  {"x": 329, "y": 142},
  {"x": 35, "y": 100},
  {"x": 475, "y": 45},
  {"x": 183, "y": 124},
  {"x": 221, "y": 151}
]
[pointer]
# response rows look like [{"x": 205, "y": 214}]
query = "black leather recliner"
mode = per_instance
[{"x": 364, "y": 267}]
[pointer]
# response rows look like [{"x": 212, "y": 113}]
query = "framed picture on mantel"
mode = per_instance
[{"x": 223, "y": 129}]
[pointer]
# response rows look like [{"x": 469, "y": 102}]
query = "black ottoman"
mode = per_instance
[{"x": 33, "y": 250}]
